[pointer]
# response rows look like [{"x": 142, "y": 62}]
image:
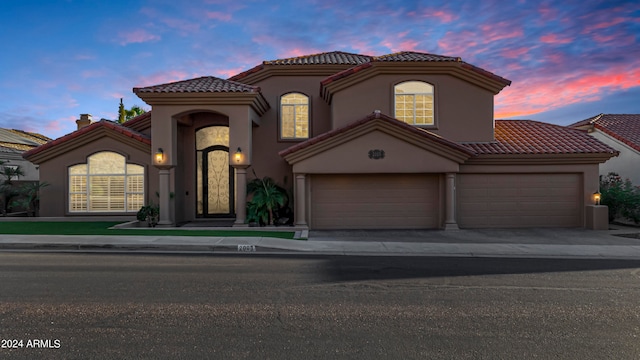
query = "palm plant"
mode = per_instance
[{"x": 266, "y": 197}]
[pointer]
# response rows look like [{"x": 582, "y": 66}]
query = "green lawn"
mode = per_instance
[{"x": 102, "y": 228}]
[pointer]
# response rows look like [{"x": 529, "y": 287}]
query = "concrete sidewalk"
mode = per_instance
[{"x": 518, "y": 243}]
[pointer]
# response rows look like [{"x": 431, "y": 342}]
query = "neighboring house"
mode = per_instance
[
  {"x": 13, "y": 143},
  {"x": 406, "y": 140},
  {"x": 621, "y": 132}
]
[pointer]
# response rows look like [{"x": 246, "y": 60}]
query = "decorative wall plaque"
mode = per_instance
[{"x": 376, "y": 154}]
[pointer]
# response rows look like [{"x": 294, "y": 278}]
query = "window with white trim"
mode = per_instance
[
  {"x": 414, "y": 102},
  {"x": 294, "y": 116},
  {"x": 106, "y": 183}
]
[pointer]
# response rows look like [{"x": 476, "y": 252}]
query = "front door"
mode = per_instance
[{"x": 215, "y": 180}]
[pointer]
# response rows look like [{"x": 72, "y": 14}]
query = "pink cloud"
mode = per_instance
[
  {"x": 500, "y": 31},
  {"x": 546, "y": 93},
  {"x": 606, "y": 24},
  {"x": 442, "y": 15},
  {"x": 216, "y": 15},
  {"x": 514, "y": 53},
  {"x": 137, "y": 36},
  {"x": 554, "y": 39}
]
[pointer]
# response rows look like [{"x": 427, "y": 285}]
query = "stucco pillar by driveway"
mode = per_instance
[
  {"x": 450, "y": 203},
  {"x": 165, "y": 199},
  {"x": 300, "y": 200},
  {"x": 241, "y": 196}
]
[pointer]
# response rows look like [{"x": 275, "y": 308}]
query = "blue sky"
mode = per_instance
[{"x": 568, "y": 60}]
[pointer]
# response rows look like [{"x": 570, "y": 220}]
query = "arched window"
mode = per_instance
[
  {"x": 106, "y": 183},
  {"x": 294, "y": 116},
  {"x": 414, "y": 102}
]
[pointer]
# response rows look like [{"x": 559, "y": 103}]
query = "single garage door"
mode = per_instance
[
  {"x": 375, "y": 201},
  {"x": 519, "y": 200}
]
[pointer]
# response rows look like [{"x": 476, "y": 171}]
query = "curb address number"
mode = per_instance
[{"x": 246, "y": 248}]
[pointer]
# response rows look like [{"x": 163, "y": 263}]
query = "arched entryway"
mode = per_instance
[{"x": 214, "y": 176}]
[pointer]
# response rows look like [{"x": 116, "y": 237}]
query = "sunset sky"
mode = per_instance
[{"x": 568, "y": 60}]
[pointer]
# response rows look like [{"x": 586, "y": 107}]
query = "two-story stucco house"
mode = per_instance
[{"x": 406, "y": 140}]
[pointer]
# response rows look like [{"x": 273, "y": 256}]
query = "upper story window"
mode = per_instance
[
  {"x": 106, "y": 183},
  {"x": 414, "y": 102},
  {"x": 294, "y": 116}
]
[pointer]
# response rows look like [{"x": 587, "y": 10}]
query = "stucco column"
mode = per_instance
[
  {"x": 450, "y": 203},
  {"x": 165, "y": 199},
  {"x": 241, "y": 196},
  {"x": 300, "y": 200}
]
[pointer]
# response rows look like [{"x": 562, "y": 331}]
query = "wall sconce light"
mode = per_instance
[
  {"x": 159, "y": 155},
  {"x": 238, "y": 155},
  {"x": 596, "y": 197}
]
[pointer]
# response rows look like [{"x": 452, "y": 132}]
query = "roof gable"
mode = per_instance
[
  {"x": 410, "y": 62},
  {"x": 87, "y": 134},
  {"x": 382, "y": 123}
]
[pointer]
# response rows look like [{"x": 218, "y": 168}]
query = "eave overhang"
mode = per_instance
[
  {"x": 540, "y": 159},
  {"x": 253, "y": 99}
]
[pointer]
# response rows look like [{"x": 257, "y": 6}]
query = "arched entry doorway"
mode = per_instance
[{"x": 214, "y": 176}]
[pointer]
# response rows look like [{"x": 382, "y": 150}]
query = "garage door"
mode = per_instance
[
  {"x": 374, "y": 201},
  {"x": 519, "y": 200}
]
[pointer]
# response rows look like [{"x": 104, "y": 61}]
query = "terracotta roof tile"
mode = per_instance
[
  {"x": 19, "y": 137},
  {"x": 332, "y": 58},
  {"x": 623, "y": 127},
  {"x": 412, "y": 56},
  {"x": 533, "y": 137},
  {"x": 78, "y": 133},
  {"x": 205, "y": 84}
]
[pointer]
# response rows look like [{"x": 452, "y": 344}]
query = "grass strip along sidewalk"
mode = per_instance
[{"x": 102, "y": 228}]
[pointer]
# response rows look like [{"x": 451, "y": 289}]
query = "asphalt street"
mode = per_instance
[{"x": 109, "y": 306}]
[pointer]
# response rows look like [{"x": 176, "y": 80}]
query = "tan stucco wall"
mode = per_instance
[
  {"x": 266, "y": 137},
  {"x": 627, "y": 164},
  {"x": 54, "y": 198},
  {"x": 463, "y": 112}
]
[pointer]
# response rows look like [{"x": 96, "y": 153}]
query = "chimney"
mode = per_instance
[{"x": 85, "y": 120}]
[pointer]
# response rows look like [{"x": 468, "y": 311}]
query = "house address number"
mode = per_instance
[
  {"x": 246, "y": 248},
  {"x": 376, "y": 154}
]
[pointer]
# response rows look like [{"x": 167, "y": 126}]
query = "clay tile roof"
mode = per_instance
[
  {"x": 533, "y": 137},
  {"x": 414, "y": 56},
  {"x": 21, "y": 140},
  {"x": 205, "y": 84},
  {"x": 623, "y": 127},
  {"x": 376, "y": 115},
  {"x": 332, "y": 58},
  {"x": 102, "y": 123}
]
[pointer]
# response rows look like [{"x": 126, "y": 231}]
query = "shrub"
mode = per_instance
[
  {"x": 622, "y": 197},
  {"x": 150, "y": 214}
]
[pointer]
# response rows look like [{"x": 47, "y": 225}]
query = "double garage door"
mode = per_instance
[
  {"x": 374, "y": 201},
  {"x": 519, "y": 200},
  {"x": 412, "y": 201}
]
